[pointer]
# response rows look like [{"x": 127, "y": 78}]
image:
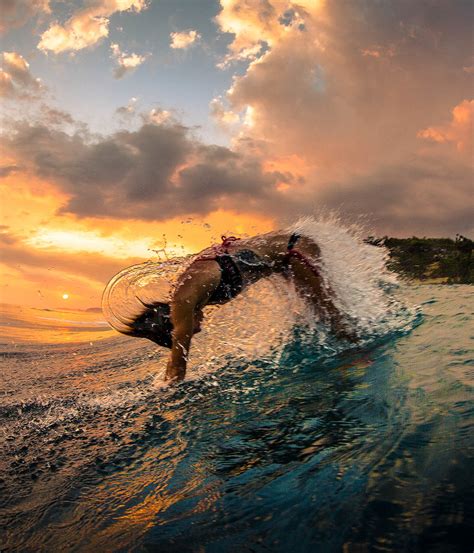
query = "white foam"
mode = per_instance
[{"x": 355, "y": 271}]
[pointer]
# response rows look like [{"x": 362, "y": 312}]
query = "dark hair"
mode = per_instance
[{"x": 155, "y": 324}]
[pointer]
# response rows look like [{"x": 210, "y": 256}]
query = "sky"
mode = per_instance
[{"x": 133, "y": 129}]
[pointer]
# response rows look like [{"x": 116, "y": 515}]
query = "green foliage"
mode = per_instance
[{"x": 428, "y": 258}]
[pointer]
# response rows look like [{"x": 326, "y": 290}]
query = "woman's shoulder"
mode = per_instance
[{"x": 277, "y": 238}]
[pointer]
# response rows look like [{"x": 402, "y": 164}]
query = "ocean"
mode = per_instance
[{"x": 281, "y": 439}]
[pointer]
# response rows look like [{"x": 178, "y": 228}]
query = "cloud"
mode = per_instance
[
  {"x": 56, "y": 117},
  {"x": 6, "y": 238},
  {"x": 161, "y": 171},
  {"x": 78, "y": 33},
  {"x": 346, "y": 87},
  {"x": 127, "y": 112},
  {"x": 184, "y": 39},
  {"x": 253, "y": 24},
  {"x": 425, "y": 195},
  {"x": 7, "y": 170},
  {"x": 158, "y": 116},
  {"x": 156, "y": 172},
  {"x": 126, "y": 63},
  {"x": 15, "y": 13},
  {"x": 16, "y": 80},
  {"x": 96, "y": 267},
  {"x": 378, "y": 52},
  {"x": 223, "y": 117},
  {"x": 85, "y": 27},
  {"x": 458, "y": 131}
]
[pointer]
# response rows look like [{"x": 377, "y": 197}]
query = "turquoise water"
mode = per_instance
[{"x": 310, "y": 449}]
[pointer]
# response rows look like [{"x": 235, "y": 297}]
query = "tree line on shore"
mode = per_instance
[{"x": 444, "y": 259}]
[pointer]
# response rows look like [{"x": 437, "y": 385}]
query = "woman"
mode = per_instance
[{"x": 220, "y": 273}]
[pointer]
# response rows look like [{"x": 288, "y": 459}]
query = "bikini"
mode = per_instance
[{"x": 237, "y": 267}]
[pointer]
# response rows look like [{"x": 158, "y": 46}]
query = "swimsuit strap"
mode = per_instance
[
  {"x": 292, "y": 252},
  {"x": 218, "y": 249},
  {"x": 227, "y": 241},
  {"x": 292, "y": 241}
]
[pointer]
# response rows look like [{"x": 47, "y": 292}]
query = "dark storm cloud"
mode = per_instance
[
  {"x": 426, "y": 195},
  {"x": 224, "y": 175},
  {"x": 160, "y": 171},
  {"x": 156, "y": 172}
]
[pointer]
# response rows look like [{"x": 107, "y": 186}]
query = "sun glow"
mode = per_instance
[
  {"x": 38, "y": 266},
  {"x": 90, "y": 241},
  {"x": 65, "y": 296}
]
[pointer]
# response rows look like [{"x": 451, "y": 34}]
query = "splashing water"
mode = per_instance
[
  {"x": 260, "y": 322},
  {"x": 356, "y": 271}
]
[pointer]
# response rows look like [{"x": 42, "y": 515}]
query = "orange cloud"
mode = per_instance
[
  {"x": 378, "y": 51},
  {"x": 257, "y": 25},
  {"x": 457, "y": 131},
  {"x": 86, "y": 27},
  {"x": 347, "y": 95},
  {"x": 16, "y": 80},
  {"x": 223, "y": 117},
  {"x": 251, "y": 27},
  {"x": 184, "y": 39},
  {"x": 126, "y": 63},
  {"x": 291, "y": 163},
  {"x": 372, "y": 52},
  {"x": 316, "y": 90}
]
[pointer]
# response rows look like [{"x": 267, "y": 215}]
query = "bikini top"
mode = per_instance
[{"x": 239, "y": 268}]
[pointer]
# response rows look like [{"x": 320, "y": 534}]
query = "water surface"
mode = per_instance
[{"x": 299, "y": 450}]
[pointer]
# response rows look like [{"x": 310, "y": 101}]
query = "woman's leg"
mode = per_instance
[{"x": 305, "y": 267}]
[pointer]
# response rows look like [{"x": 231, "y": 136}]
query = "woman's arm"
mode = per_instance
[
  {"x": 182, "y": 315},
  {"x": 192, "y": 294}
]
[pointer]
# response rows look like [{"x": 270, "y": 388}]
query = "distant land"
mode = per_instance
[{"x": 430, "y": 260}]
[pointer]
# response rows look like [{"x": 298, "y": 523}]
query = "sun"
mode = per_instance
[{"x": 65, "y": 296}]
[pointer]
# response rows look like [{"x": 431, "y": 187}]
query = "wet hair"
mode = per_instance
[{"x": 155, "y": 324}]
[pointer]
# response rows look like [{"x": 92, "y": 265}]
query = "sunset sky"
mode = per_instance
[{"x": 130, "y": 126}]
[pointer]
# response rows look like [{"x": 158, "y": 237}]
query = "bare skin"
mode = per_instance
[{"x": 202, "y": 277}]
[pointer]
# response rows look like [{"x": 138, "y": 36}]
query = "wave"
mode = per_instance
[{"x": 99, "y": 453}]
